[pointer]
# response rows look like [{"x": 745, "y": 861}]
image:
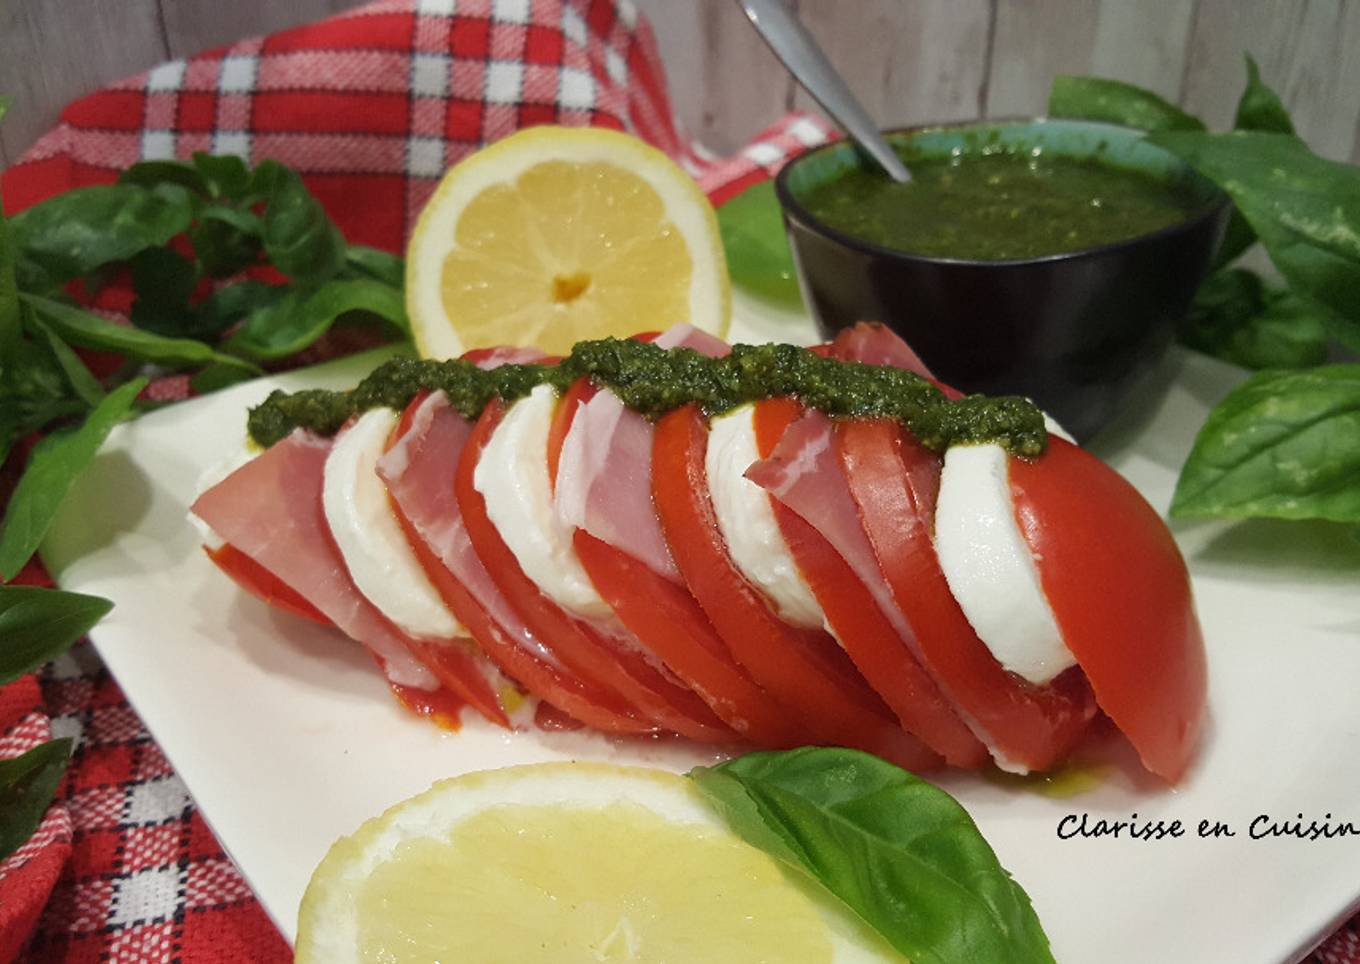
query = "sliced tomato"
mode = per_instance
[
  {"x": 881, "y": 655},
  {"x": 805, "y": 671},
  {"x": 593, "y": 706},
  {"x": 599, "y": 659},
  {"x": 894, "y": 482},
  {"x": 440, "y": 707},
  {"x": 665, "y": 617},
  {"x": 263, "y": 584},
  {"x": 1120, "y": 591},
  {"x": 581, "y": 391}
]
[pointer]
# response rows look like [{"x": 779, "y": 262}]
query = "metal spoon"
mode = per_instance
[{"x": 792, "y": 44}]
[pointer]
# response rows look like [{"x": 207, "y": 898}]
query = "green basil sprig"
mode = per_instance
[
  {"x": 1277, "y": 446},
  {"x": 1282, "y": 444},
  {"x": 38, "y": 625},
  {"x": 27, "y": 785},
  {"x": 899, "y": 852}
]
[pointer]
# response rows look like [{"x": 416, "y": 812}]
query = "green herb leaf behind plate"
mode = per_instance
[
  {"x": 1114, "y": 102},
  {"x": 1237, "y": 317},
  {"x": 74, "y": 233},
  {"x": 37, "y": 625},
  {"x": 54, "y": 465},
  {"x": 898, "y": 851},
  {"x": 758, "y": 256},
  {"x": 300, "y": 317},
  {"x": 1283, "y": 445},
  {"x": 1304, "y": 208},
  {"x": 27, "y": 784}
]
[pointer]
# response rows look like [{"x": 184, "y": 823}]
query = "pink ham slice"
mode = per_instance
[
  {"x": 873, "y": 344},
  {"x": 418, "y": 472},
  {"x": 804, "y": 474},
  {"x": 604, "y": 474},
  {"x": 270, "y": 509}
]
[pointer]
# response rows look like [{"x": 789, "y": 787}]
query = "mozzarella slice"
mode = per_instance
[
  {"x": 747, "y": 520},
  {"x": 376, "y": 553},
  {"x": 512, "y": 475},
  {"x": 989, "y": 567}
]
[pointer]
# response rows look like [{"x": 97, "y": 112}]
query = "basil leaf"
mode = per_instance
[
  {"x": 898, "y": 851},
  {"x": 390, "y": 269},
  {"x": 226, "y": 240},
  {"x": 226, "y": 174},
  {"x": 758, "y": 256},
  {"x": 71, "y": 234},
  {"x": 55, "y": 464},
  {"x": 37, "y": 625},
  {"x": 162, "y": 283},
  {"x": 27, "y": 785},
  {"x": 299, "y": 238},
  {"x": 1114, "y": 102},
  {"x": 79, "y": 327},
  {"x": 217, "y": 376},
  {"x": 81, "y": 380},
  {"x": 1237, "y": 318},
  {"x": 1260, "y": 108},
  {"x": 231, "y": 303},
  {"x": 1284, "y": 445},
  {"x": 11, "y": 330},
  {"x": 300, "y": 318},
  {"x": 1305, "y": 209},
  {"x": 151, "y": 173}
]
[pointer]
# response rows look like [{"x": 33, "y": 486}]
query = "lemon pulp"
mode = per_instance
[
  {"x": 569, "y": 250},
  {"x": 536, "y": 884}
]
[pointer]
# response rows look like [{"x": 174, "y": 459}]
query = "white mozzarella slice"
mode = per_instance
[
  {"x": 512, "y": 475},
  {"x": 989, "y": 567},
  {"x": 747, "y": 520},
  {"x": 379, "y": 559}
]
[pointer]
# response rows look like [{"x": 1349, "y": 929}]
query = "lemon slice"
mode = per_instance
[
  {"x": 558, "y": 234},
  {"x": 563, "y": 863}
]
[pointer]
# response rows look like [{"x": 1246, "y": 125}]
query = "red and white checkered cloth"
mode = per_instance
[{"x": 371, "y": 107}]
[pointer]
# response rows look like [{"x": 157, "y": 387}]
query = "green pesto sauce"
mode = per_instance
[
  {"x": 998, "y": 205},
  {"x": 653, "y": 381}
]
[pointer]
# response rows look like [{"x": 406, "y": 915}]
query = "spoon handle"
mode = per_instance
[{"x": 792, "y": 44}]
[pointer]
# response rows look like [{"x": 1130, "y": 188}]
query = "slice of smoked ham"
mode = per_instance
[
  {"x": 813, "y": 505},
  {"x": 270, "y": 509},
  {"x": 804, "y": 670},
  {"x": 876, "y": 643},
  {"x": 610, "y": 659},
  {"x": 603, "y": 469},
  {"x": 875, "y": 344},
  {"x": 419, "y": 469}
]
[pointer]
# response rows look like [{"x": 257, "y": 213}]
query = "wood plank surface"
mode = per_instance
[
  {"x": 1143, "y": 43},
  {"x": 909, "y": 60},
  {"x": 725, "y": 84},
  {"x": 1309, "y": 52},
  {"x": 909, "y": 63},
  {"x": 52, "y": 51}
]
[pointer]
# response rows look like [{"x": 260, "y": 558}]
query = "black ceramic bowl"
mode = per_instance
[{"x": 1075, "y": 331}]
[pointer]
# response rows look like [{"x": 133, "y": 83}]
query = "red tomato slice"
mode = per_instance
[
  {"x": 1119, "y": 588},
  {"x": 585, "y": 651},
  {"x": 670, "y": 623},
  {"x": 593, "y": 706},
  {"x": 666, "y": 618},
  {"x": 438, "y": 706},
  {"x": 880, "y": 654},
  {"x": 263, "y": 584},
  {"x": 894, "y": 482},
  {"x": 802, "y": 670}
]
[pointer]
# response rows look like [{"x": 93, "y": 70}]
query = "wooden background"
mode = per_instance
[{"x": 910, "y": 60}]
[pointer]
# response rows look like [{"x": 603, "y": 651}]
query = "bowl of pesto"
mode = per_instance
[{"x": 1047, "y": 258}]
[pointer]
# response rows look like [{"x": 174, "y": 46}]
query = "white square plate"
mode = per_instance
[{"x": 288, "y": 739}]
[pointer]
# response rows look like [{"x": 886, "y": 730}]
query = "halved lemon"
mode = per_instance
[
  {"x": 564, "y": 863},
  {"x": 557, "y": 234}
]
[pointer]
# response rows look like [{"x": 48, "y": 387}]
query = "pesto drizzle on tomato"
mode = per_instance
[{"x": 653, "y": 381}]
